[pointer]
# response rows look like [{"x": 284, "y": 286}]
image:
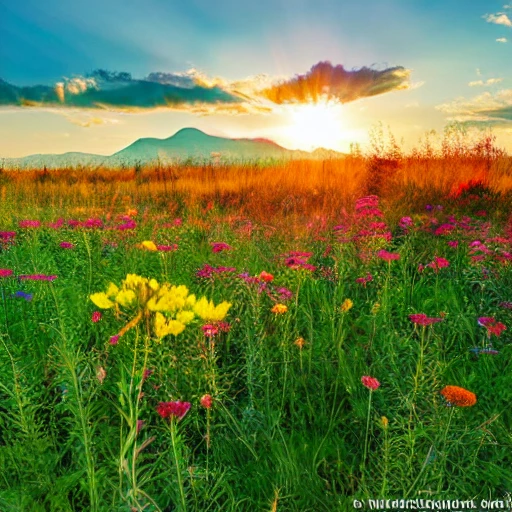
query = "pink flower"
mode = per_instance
[
  {"x": 206, "y": 401},
  {"x": 405, "y": 222},
  {"x": 5, "y": 272},
  {"x": 370, "y": 382},
  {"x": 114, "y": 340},
  {"x": 422, "y": 319},
  {"x": 210, "y": 330},
  {"x": 66, "y": 245},
  {"x": 176, "y": 409},
  {"x": 29, "y": 224},
  {"x": 37, "y": 277},
  {"x": 167, "y": 248},
  {"x": 388, "y": 256},
  {"x": 96, "y": 316},
  {"x": 364, "y": 280},
  {"x": 453, "y": 243},
  {"x": 220, "y": 246}
]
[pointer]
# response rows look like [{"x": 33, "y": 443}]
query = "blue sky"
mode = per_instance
[{"x": 442, "y": 46}]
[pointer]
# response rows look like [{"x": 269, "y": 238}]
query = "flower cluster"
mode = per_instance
[
  {"x": 170, "y": 307},
  {"x": 422, "y": 319},
  {"x": 458, "y": 396},
  {"x": 492, "y": 326},
  {"x": 370, "y": 382},
  {"x": 176, "y": 409}
]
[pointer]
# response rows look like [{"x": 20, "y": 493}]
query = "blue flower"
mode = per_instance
[{"x": 23, "y": 295}]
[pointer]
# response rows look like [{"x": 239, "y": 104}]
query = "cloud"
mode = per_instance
[
  {"x": 499, "y": 19},
  {"x": 486, "y": 108},
  {"x": 120, "y": 92},
  {"x": 195, "y": 92},
  {"x": 490, "y": 81},
  {"x": 502, "y": 40},
  {"x": 335, "y": 82}
]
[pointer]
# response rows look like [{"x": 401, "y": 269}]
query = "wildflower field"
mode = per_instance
[{"x": 256, "y": 338}]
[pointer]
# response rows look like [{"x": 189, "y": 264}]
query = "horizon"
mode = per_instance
[{"x": 301, "y": 77}]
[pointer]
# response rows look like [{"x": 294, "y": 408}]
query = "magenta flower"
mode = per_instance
[
  {"x": 36, "y": 277},
  {"x": 176, "y": 409},
  {"x": 370, "y": 382},
  {"x": 114, "y": 340},
  {"x": 5, "y": 272},
  {"x": 388, "y": 256},
  {"x": 453, "y": 243},
  {"x": 220, "y": 246},
  {"x": 66, "y": 245},
  {"x": 422, "y": 319},
  {"x": 167, "y": 248},
  {"x": 29, "y": 224}
]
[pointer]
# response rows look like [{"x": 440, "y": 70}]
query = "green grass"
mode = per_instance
[{"x": 289, "y": 424}]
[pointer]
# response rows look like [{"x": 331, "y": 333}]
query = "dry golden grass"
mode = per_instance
[{"x": 288, "y": 191}]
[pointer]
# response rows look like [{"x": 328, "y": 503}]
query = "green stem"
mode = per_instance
[
  {"x": 173, "y": 427},
  {"x": 363, "y": 465}
]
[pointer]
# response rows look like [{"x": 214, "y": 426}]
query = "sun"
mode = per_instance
[{"x": 314, "y": 125}]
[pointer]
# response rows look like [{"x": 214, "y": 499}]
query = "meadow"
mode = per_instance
[{"x": 280, "y": 337}]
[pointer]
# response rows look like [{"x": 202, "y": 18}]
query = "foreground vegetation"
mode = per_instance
[{"x": 345, "y": 297}]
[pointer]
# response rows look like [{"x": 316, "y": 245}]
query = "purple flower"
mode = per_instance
[{"x": 22, "y": 295}]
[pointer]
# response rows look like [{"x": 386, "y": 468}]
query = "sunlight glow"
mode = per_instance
[{"x": 315, "y": 125}]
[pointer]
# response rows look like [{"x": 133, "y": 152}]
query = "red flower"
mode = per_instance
[
  {"x": 388, "y": 256},
  {"x": 422, "y": 319},
  {"x": 266, "y": 276},
  {"x": 96, "y": 316},
  {"x": 210, "y": 330},
  {"x": 370, "y": 382},
  {"x": 206, "y": 401},
  {"x": 491, "y": 325},
  {"x": 176, "y": 409},
  {"x": 5, "y": 272}
]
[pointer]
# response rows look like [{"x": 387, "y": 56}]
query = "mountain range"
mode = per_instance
[{"x": 187, "y": 145}]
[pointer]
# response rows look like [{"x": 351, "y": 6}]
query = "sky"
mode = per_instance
[{"x": 96, "y": 75}]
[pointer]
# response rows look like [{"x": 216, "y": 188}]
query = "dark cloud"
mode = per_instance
[
  {"x": 335, "y": 82},
  {"x": 119, "y": 91}
]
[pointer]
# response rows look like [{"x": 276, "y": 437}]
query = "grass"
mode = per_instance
[{"x": 291, "y": 426}]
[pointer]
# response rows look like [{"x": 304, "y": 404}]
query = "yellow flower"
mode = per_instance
[
  {"x": 163, "y": 327},
  {"x": 185, "y": 317},
  {"x": 101, "y": 300},
  {"x": 149, "y": 245},
  {"x": 347, "y": 305},
  {"x": 375, "y": 308},
  {"x": 385, "y": 422},
  {"x": 112, "y": 290},
  {"x": 279, "y": 309},
  {"x": 207, "y": 311},
  {"x": 126, "y": 298}
]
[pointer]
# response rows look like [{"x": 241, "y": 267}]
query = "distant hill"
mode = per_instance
[{"x": 188, "y": 144}]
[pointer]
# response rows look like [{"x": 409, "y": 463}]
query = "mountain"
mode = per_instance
[{"x": 188, "y": 144}]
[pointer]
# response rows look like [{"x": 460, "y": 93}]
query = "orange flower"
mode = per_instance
[
  {"x": 459, "y": 396},
  {"x": 279, "y": 309},
  {"x": 300, "y": 342}
]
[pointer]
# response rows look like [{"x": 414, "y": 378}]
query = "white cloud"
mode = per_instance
[
  {"x": 502, "y": 40},
  {"x": 499, "y": 19},
  {"x": 490, "y": 81}
]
